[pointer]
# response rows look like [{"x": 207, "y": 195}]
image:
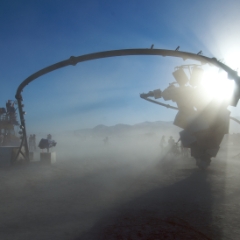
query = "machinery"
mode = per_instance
[
  {"x": 202, "y": 114},
  {"x": 8, "y": 123}
]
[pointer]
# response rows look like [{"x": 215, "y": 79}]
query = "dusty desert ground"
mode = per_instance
[{"x": 121, "y": 191}]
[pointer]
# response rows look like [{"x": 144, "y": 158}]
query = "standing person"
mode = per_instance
[
  {"x": 49, "y": 138},
  {"x": 171, "y": 142},
  {"x": 30, "y": 142},
  {"x": 181, "y": 148},
  {"x": 51, "y": 143},
  {"x": 171, "y": 145},
  {"x": 8, "y": 105},
  {"x": 34, "y": 142},
  {"x": 1, "y": 139},
  {"x": 105, "y": 140},
  {"x": 162, "y": 143}
]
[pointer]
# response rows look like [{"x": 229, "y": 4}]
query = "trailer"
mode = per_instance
[{"x": 9, "y": 141}]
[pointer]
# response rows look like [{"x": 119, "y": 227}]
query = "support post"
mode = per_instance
[{"x": 23, "y": 149}]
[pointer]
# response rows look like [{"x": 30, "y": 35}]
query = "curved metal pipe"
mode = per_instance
[
  {"x": 159, "y": 103},
  {"x": 124, "y": 52},
  {"x": 235, "y": 120},
  {"x": 175, "y": 108}
]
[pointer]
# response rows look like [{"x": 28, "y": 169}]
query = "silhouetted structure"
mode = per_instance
[
  {"x": 47, "y": 143},
  {"x": 204, "y": 121}
]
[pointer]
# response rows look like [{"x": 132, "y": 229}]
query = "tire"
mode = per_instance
[{"x": 203, "y": 163}]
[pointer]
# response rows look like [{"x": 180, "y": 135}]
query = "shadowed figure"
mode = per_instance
[
  {"x": 162, "y": 144},
  {"x": 204, "y": 119}
]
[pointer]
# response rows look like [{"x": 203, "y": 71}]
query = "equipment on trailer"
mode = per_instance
[{"x": 9, "y": 142}]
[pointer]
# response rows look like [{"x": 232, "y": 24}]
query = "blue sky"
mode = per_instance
[{"x": 35, "y": 34}]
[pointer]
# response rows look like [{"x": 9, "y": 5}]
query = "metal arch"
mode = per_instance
[{"x": 114, "y": 53}]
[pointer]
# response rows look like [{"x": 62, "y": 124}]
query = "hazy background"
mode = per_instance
[
  {"x": 82, "y": 105},
  {"x": 35, "y": 34}
]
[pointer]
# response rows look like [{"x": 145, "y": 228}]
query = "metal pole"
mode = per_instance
[{"x": 24, "y": 142}]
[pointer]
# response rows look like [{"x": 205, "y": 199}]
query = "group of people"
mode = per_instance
[{"x": 172, "y": 147}]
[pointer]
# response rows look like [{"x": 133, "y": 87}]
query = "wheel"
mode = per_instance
[{"x": 203, "y": 162}]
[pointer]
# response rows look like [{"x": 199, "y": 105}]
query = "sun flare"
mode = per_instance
[{"x": 217, "y": 85}]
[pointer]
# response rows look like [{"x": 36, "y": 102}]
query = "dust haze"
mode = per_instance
[
  {"x": 127, "y": 143},
  {"x": 113, "y": 182}
]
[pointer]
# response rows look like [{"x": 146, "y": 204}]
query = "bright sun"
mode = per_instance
[{"x": 217, "y": 84}]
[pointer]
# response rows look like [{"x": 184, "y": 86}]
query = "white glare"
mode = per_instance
[{"x": 217, "y": 85}]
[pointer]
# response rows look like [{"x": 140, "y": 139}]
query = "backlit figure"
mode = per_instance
[{"x": 203, "y": 118}]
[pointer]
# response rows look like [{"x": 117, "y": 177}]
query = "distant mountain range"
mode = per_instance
[{"x": 145, "y": 128}]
